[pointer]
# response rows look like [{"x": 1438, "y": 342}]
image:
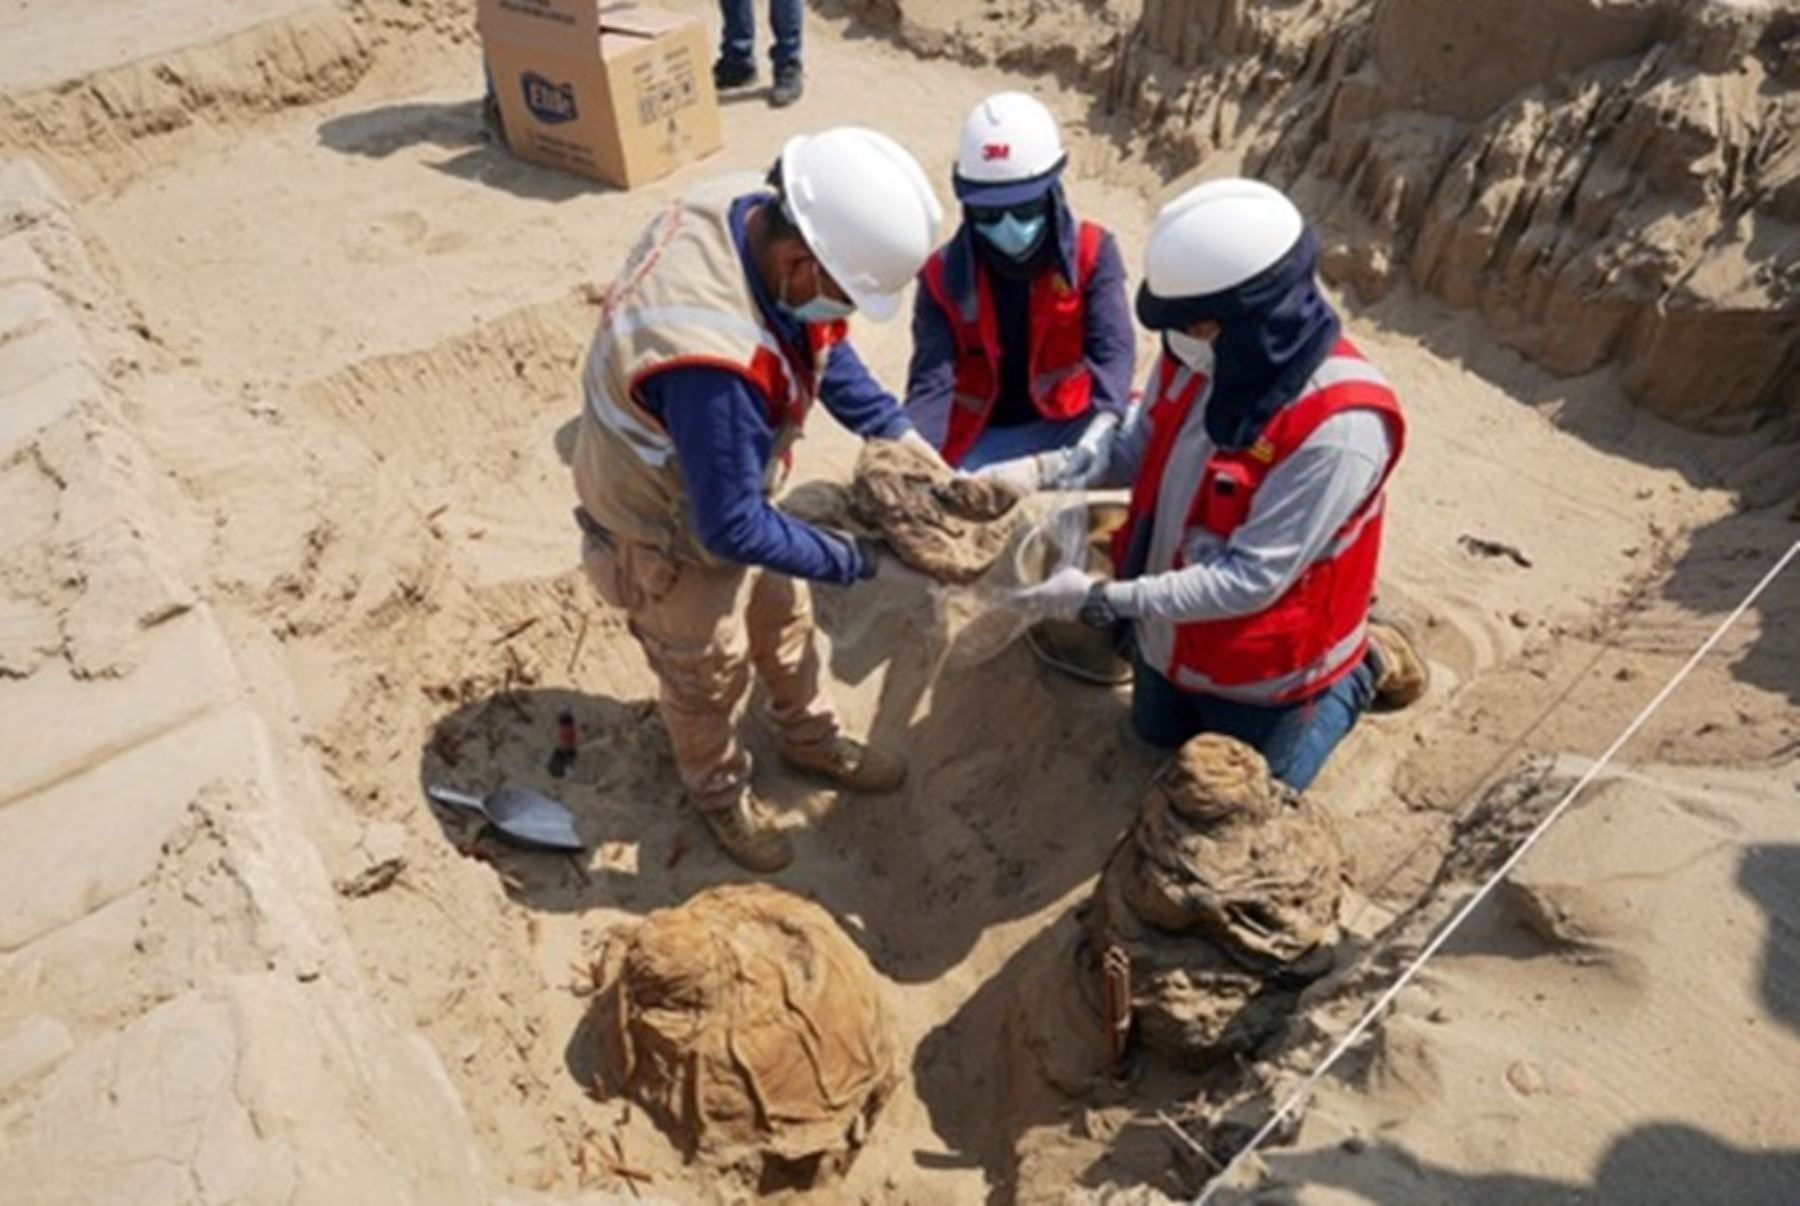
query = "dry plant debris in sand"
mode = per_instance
[
  {"x": 749, "y": 1026},
  {"x": 1223, "y": 897},
  {"x": 950, "y": 527}
]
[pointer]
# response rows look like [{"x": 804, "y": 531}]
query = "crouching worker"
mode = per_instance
[
  {"x": 725, "y": 323},
  {"x": 1022, "y": 336},
  {"x": 1248, "y": 565}
]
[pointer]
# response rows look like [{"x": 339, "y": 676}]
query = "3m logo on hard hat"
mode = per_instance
[
  {"x": 549, "y": 102},
  {"x": 996, "y": 150}
]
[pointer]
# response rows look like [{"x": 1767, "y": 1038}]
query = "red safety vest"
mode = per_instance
[
  {"x": 1059, "y": 379},
  {"x": 1316, "y": 632}
]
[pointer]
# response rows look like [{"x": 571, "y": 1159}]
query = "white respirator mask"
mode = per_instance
[{"x": 1197, "y": 354}]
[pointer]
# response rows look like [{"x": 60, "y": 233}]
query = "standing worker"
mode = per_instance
[
  {"x": 1249, "y": 562},
  {"x": 1022, "y": 337},
  {"x": 725, "y": 323},
  {"x": 736, "y": 67}
]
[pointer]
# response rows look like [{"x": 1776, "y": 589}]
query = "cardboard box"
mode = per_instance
[{"x": 615, "y": 91}]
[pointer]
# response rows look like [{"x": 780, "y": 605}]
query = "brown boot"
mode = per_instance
[
  {"x": 848, "y": 763},
  {"x": 746, "y": 832},
  {"x": 1404, "y": 673}
]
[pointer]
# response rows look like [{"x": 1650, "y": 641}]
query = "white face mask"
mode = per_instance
[{"x": 1197, "y": 354}]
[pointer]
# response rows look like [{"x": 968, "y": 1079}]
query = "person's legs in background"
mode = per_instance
[
  {"x": 736, "y": 65},
  {"x": 998, "y": 444},
  {"x": 785, "y": 19}
]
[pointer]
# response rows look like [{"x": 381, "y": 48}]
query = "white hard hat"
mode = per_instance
[
  {"x": 865, "y": 208},
  {"x": 1011, "y": 151},
  {"x": 1215, "y": 237}
]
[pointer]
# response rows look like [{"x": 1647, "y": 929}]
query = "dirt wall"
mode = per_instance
[{"x": 1607, "y": 181}]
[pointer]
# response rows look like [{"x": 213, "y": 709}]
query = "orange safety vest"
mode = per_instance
[
  {"x": 1059, "y": 379},
  {"x": 1317, "y": 632}
]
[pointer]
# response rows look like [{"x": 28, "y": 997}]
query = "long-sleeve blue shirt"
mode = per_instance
[
  {"x": 723, "y": 439},
  {"x": 1109, "y": 346}
]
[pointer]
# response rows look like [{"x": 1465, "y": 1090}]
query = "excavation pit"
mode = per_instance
[{"x": 289, "y": 540}]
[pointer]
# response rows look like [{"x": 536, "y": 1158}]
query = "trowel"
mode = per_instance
[{"x": 519, "y": 815}]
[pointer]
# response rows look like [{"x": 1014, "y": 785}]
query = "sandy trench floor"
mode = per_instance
[{"x": 362, "y": 326}]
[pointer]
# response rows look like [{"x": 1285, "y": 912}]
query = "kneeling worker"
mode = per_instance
[
  {"x": 1257, "y": 473},
  {"x": 1022, "y": 337},
  {"x": 725, "y": 323}
]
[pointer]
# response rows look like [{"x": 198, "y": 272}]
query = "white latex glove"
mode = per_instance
[
  {"x": 912, "y": 439},
  {"x": 1082, "y": 465},
  {"x": 1095, "y": 446},
  {"x": 1024, "y": 474},
  {"x": 1059, "y": 597},
  {"x": 1065, "y": 468}
]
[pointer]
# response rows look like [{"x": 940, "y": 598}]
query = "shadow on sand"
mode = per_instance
[
  {"x": 1770, "y": 876},
  {"x": 453, "y": 127},
  {"x": 1018, "y": 785},
  {"x": 1664, "y": 1164}
]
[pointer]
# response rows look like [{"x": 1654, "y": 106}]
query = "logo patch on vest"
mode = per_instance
[
  {"x": 549, "y": 102},
  {"x": 1061, "y": 285},
  {"x": 1262, "y": 451}
]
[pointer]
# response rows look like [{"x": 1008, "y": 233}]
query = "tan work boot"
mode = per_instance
[
  {"x": 746, "y": 832},
  {"x": 848, "y": 763},
  {"x": 1405, "y": 675}
]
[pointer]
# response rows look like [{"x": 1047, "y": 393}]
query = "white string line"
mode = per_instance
[{"x": 1374, "y": 1011}]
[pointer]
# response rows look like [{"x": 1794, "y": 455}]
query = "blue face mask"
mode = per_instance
[
  {"x": 819, "y": 309},
  {"x": 1014, "y": 236}
]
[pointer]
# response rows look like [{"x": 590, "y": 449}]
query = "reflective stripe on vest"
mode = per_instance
[
  {"x": 1164, "y": 408},
  {"x": 969, "y": 402},
  {"x": 1048, "y": 381},
  {"x": 769, "y": 370},
  {"x": 1296, "y": 684},
  {"x": 1352, "y": 531},
  {"x": 647, "y": 440},
  {"x": 1317, "y": 631}
]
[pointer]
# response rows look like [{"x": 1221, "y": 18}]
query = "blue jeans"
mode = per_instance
[
  {"x": 1295, "y": 738},
  {"x": 998, "y": 444},
  {"x": 739, "y": 43}
]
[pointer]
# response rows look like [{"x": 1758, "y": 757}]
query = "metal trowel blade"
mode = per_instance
[{"x": 532, "y": 819}]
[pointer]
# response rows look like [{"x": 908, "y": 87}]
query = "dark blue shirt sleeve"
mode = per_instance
[
  {"x": 723, "y": 444},
  {"x": 931, "y": 378},
  {"x": 1111, "y": 343},
  {"x": 858, "y": 401}
]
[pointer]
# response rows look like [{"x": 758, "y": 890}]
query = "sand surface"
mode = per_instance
[{"x": 285, "y": 390}]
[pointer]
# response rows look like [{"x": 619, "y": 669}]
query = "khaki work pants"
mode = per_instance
[{"x": 702, "y": 629}]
